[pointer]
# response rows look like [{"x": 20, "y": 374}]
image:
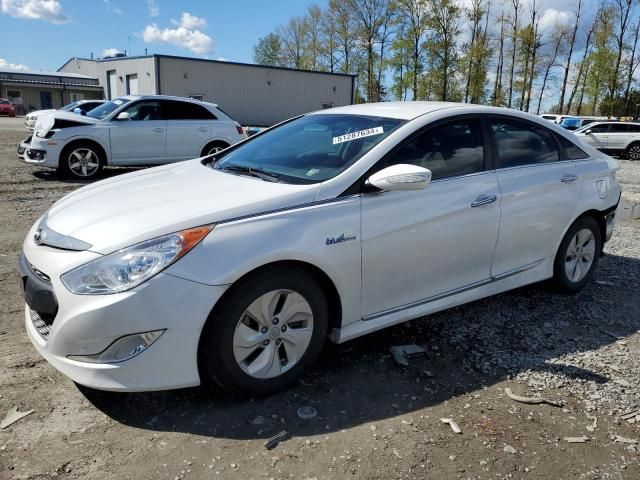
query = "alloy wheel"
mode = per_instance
[
  {"x": 83, "y": 162},
  {"x": 215, "y": 150},
  {"x": 273, "y": 334},
  {"x": 634, "y": 152},
  {"x": 580, "y": 255}
]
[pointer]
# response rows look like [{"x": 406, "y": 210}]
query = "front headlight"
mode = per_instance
[{"x": 131, "y": 266}]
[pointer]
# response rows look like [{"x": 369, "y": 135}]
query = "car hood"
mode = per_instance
[
  {"x": 137, "y": 206},
  {"x": 37, "y": 113},
  {"x": 44, "y": 123}
]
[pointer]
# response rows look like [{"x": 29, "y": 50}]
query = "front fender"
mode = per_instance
[{"x": 310, "y": 233}]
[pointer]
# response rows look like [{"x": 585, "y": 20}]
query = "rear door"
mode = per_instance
[
  {"x": 188, "y": 129},
  {"x": 539, "y": 188},
  {"x": 419, "y": 245},
  {"x": 140, "y": 140}
]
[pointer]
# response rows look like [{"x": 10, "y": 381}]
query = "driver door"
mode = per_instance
[
  {"x": 418, "y": 245},
  {"x": 142, "y": 138}
]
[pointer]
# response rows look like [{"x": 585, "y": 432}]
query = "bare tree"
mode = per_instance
[
  {"x": 623, "y": 10},
  {"x": 535, "y": 47},
  {"x": 633, "y": 64},
  {"x": 294, "y": 39},
  {"x": 558, "y": 36},
  {"x": 497, "y": 89},
  {"x": 514, "y": 47},
  {"x": 583, "y": 66},
  {"x": 413, "y": 14},
  {"x": 567, "y": 64},
  {"x": 369, "y": 16}
]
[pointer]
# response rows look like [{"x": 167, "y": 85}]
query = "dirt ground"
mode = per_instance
[{"x": 375, "y": 419}]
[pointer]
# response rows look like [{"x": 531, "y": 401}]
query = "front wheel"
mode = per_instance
[
  {"x": 267, "y": 332},
  {"x": 578, "y": 255},
  {"x": 81, "y": 162}
]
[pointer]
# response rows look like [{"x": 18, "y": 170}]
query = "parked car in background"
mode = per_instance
[
  {"x": 615, "y": 138},
  {"x": 7, "y": 108},
  {"x": 130, "y": 131},
  {"x": 81, "y": 107},
  {"x": 555, "y": 118},
  {"x": 234, "y": 269},
  {"x": 576, "y": 123}
]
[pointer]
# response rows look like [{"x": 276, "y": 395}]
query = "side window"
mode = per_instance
[
  {"x": 619, "y": 128},
  {"x": 519, "y": 143},
  {"x": 186, "y": 111},
  {"x": 572, "y": 151},
  {"x": 599, "y": 128},
  {"x": 448, "y": 150},
  {"x": 634, "y": 128},
  {"x": 144, "y": 111}
]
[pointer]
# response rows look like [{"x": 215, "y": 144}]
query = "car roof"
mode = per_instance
[
  {"x": 168, "y": 97},
  {"x": 400, "y": 110}
]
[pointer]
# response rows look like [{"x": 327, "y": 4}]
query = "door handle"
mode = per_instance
[
  {"x": 484, "y": 200},
  {"x": 158, "y": 130},
  {"x": 203, "y": 129},
  {"x": 569, "y": 177}
]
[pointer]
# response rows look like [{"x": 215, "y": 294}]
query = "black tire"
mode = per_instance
[
  {"x": 632, "y": 152},
  {"x": 216, "y": 361},
  {"x": 211, "y": 146},
  {"x": 561, "y": 279},
  {"x": 68, "y": 159}
]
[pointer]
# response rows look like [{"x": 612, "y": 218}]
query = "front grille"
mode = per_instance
[
  {"x": 42, "y": 322},
  {"x": 40, "y": 274}
]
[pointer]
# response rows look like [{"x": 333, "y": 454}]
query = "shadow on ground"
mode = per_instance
[{"x": 469, "y": 347}]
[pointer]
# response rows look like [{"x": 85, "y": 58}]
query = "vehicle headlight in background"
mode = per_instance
[{"x": 131, "y": 266}]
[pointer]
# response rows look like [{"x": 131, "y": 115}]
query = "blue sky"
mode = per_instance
[{"x": 43, "y": 34}]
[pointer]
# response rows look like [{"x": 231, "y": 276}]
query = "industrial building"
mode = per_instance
[
  {"x": 41, "y": 90},
  {"x": 252, "y": 94}
]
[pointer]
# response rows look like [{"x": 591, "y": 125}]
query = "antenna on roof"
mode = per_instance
[
  {"x": 91, "y": 55},
  {"x": 145, "y": 52}
]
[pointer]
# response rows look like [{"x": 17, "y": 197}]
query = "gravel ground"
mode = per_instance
[{"x": 375, "y": 419}]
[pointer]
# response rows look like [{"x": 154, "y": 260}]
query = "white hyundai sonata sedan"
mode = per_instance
[{"x": 233, "y": 269}]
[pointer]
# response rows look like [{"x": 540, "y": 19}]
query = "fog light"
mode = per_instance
[{"x": 124, "y": 348}]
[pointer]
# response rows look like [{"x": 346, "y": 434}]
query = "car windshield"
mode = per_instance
[
  {"x": 570, "y": 122},
  {"x": 70, "y": 106},
  {"x": 4, "y": 102},
  {"x": 103, "y": 111},
  {"x": 309, "y": 149}
]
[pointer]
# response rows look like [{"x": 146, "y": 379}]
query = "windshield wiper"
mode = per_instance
[{"x": 254, "y": 172}]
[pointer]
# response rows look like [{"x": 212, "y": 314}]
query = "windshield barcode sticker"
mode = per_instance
[{"x": 347, "y": 137}]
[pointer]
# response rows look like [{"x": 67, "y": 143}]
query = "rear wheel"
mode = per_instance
[
  {"x": 81, "y": 162},
  {"x": 633, "y": 151},
  {"x": 578, "y": 255},
  {"x": 265, "y": 334}
]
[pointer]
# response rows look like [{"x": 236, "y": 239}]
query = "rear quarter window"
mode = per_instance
[
  {"x": 522, "y": 143},
  {"x": 571, "y": 150}
]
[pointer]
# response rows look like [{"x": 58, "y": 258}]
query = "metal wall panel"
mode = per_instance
[
  {"x": 253, "y": 95},
  {"x": 141, "y": 66}
]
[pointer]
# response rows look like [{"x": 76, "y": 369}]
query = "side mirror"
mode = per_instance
[
  {"x": 123, "y": 116},
  {"x": 588, "y": 132},
  {"x": 401, "y": 177},
  {"x": 77, "y": 111}
]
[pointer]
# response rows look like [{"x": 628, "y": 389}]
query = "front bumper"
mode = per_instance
[
  {"x": 88, "y": 324},
  {"x": 40, "y": 151}
]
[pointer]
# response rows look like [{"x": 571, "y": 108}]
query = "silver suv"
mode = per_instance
[{"x": 614, "y": 138}]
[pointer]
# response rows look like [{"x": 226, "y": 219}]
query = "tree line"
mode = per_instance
[{"x": 496, "y": 52}]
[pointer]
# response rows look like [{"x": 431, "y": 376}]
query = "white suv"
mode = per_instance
[
  {"x": 129, "y": 131},
  {"x": 616, "y": 138}
]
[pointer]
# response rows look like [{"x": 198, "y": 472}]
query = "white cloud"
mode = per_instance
[
  {"x": 111, "y": 8},
  {"x": 152, "y": 7},
  {"x": 14, "y": 66},
  {"x": 553, "y": 17},
  {"x": 188, "y": 34},
  {"x": 46, "y": 10},
  {"x": 190, "y": 22},
  {"x": 111, "y": 52}
]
